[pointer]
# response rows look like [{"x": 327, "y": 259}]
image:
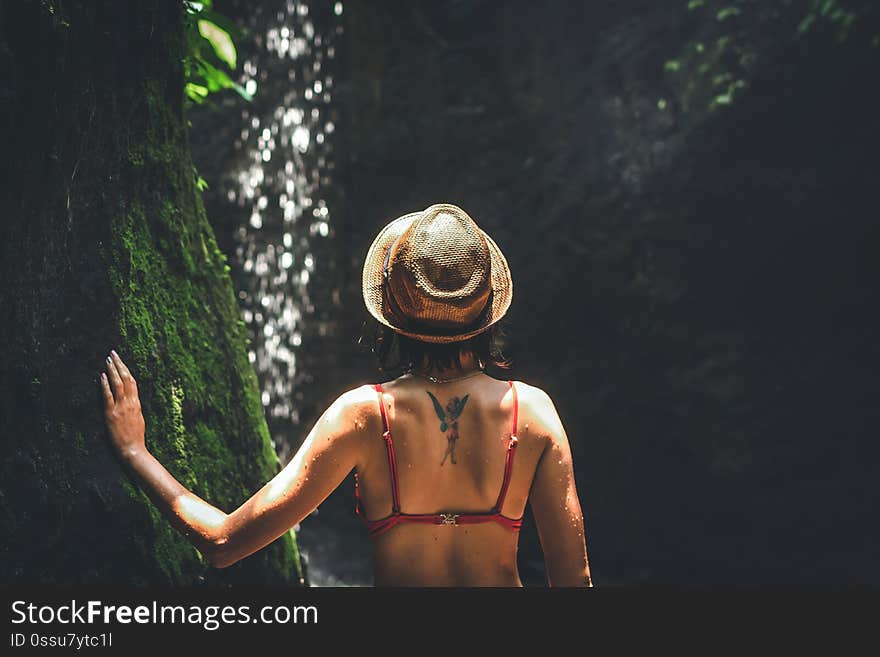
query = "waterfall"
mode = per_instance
[
  {"x": 281, "y": 184},
  {"x": 281, "y": 187}
]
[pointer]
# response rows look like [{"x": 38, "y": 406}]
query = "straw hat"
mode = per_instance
[{"x": 435, "y": 276}]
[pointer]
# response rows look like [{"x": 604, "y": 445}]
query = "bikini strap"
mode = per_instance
[
  {"x": 386, "y": 428},
  {"x": 515, "y": 410},
  {"x": 511, "y": 449},
  {"x": 392, "y": 463}
]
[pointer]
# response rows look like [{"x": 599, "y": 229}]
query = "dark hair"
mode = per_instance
[{"x": 398, "y": 353}]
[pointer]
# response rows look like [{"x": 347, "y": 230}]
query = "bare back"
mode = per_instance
[
  {"x": 452, "y": 449},
  {"x": 450, "y": 446}
]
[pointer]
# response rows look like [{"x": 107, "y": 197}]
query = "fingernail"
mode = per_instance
[
  {"x": 108, "y": 359},
  {"x": 113, "y": 352}
]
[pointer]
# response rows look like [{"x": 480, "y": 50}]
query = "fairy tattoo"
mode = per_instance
[{"x": 449, "y": 422}]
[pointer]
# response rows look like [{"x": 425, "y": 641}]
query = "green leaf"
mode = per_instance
[
  {"x": 210, "y": 52},
  {"x": 202, "y": 184},
  {"x": 196, "y": 92},
  {"x": 672, "y": 65},
  {"x": 695, "y": 4},
  {"x": 193, "y": 7},
  {"x": 214, "y": 78},
  {"x": 807, "y": 23},
  {"x": 727, "y": 12},
  {"x": 232, "y": 29},
  {"x": 220, "y": 41}
]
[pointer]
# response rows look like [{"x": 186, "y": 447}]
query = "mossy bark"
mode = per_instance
[{"x": 107, "y": 245}]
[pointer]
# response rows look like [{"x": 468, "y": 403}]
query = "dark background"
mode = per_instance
[
  {"x": 685, "y": 191},
  {"x": 695, "y": 279}
]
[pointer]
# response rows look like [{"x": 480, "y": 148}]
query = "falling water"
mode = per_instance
[
  {"x": 282, "y": 185},
  {"x": 282, "y": 188}
]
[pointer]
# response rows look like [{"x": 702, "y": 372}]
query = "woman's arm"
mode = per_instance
[
  {"x": 555, "y": 504},
  {"x": 328, "y": 454}
]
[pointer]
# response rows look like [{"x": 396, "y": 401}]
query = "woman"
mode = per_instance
[{"x": 444, "y": 494}]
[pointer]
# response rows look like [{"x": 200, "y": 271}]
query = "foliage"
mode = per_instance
[
  {"x": 831, "y": 11},
  {"x": 210, "y": 52},
  {"x": 730, "y": 36}
]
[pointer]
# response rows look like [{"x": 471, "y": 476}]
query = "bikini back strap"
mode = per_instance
[
  {"x": 389, "y": 446},
  {"x": 515, "y": 409},
  {"x": 511, "y": 449},
  {"x": 386, "y": 428}
]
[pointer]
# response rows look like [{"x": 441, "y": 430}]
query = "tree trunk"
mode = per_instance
[{"x": 107, "y": 245}]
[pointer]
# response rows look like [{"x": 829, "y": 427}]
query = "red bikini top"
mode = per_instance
[{"x": 377, "y": 527}]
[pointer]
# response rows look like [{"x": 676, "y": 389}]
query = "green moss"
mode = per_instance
[
  {"x": 187, "y": 349},
  {"x": 146, "y": 278},
  {"x": 182, "y": 337},
  {"x": 184, "y": 343}
]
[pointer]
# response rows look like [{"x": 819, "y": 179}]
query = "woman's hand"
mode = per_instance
[
  {"x": 122, "y": 408},
  {"x": 329, "y": 453}
]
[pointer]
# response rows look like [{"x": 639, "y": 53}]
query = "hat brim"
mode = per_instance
[{"x": 373, "y": 281}]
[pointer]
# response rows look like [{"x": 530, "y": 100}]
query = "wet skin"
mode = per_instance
[{"x": 349, "y": 436}]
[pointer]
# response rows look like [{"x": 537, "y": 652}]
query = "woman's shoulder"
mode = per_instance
[
  {"x": 357, "y": 408},
  {"x": 532, "y": 396},
  {"x": 538, "y": 412},
  {"x": 362, "y": 394}
]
